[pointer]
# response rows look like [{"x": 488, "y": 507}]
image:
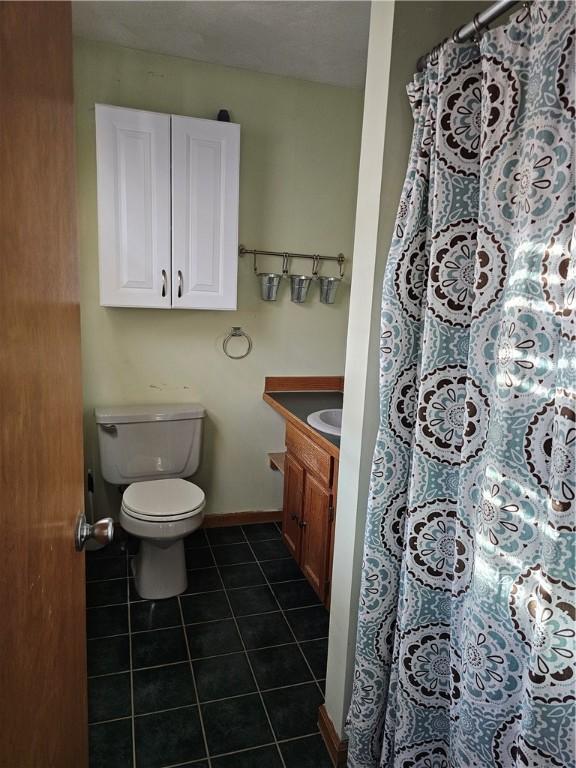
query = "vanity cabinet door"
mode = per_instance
[
  {"x": 292, "y": 514},
  {"x": 205, "y": 179},
  {"x": 316, "y": 525},
  {"x": 133, "y": 166}
]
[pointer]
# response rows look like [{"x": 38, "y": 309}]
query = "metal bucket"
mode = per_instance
[
  {"x": 269, "y": 283},
  {"x": 299, "y": 285},
  {"x": 328, "y": 289}
]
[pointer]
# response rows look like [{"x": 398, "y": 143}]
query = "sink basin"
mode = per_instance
[{"x": 328, "y": 421}]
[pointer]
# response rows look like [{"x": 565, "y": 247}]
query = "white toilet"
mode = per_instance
[{"x": 150, "y": 449}]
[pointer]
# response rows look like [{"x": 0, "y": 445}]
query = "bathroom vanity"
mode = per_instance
[{"x": 310, "y": 469}]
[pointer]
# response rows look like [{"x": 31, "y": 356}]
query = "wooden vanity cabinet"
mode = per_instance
[{"x": 308, "y": 513}]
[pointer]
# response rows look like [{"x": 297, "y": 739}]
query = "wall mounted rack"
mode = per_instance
[{"x": 316, "y": 258}]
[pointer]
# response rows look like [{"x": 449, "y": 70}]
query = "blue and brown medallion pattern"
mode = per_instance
[{"x": 466, "y": 649}]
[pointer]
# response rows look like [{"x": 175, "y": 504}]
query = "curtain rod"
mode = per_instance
[{"x": 468, "y": 31}]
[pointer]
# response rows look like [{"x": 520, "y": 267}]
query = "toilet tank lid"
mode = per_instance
[{"x": 127, "y": 414}]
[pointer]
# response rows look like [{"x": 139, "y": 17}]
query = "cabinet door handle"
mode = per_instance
[
  {"x": 164, "y": 282},
  {"x": 303, "y": 524},
  {"x": 180, "y": 283}
]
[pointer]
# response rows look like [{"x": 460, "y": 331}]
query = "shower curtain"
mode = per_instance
[{"x": 466, "y": 638}]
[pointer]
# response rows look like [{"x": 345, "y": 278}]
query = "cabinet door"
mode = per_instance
[
  {"x": 317, "y": 522},
  {"x": 292, "y": 514},
  {"x": 205, "y": 177},
  {"x": 133, "y": 165}
]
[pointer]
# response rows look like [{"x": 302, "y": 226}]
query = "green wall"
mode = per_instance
[{"x": 299, "y": 157}]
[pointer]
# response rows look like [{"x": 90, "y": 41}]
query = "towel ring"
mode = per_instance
[{"x": 235, "y": 332}]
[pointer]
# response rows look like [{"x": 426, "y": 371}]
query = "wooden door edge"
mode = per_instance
[{"x": 337, "y": 747}]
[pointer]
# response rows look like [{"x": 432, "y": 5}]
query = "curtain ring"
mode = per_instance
[
  {"x": 235, "y": 332},
  {"x": 477, "y": 27}
]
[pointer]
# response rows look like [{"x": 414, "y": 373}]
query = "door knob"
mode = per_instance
[{"x": 102, "y": 531}]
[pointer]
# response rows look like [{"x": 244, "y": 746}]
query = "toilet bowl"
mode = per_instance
[{"x": 161, "y": 513}]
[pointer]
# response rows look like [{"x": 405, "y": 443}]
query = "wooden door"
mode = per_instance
[
  {"x": 42, "y": 646},
  {"x": 133, "y": 163},
  {"x": 317, "y": 520},
  {"x": 205, "y": 178},
  {"x": 292, "y": 515}
]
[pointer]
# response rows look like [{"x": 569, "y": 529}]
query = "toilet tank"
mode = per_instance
[{"x": 148, "y": 442}]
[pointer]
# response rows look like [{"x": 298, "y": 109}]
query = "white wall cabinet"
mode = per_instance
[{"x": 167, "y": 210}]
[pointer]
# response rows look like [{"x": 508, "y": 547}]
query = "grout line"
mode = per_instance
[
  {"x": 291, "y": 630},
  {"x": 297, "y": 738},
  {"x": 209, "y": 621},
  {"x": 240, "y": 751},
  {"x": 100, "y": 581},
  {"x": 265, "y": 584},
  {"x": 109, "y": 674},
  {"x": 125, "y": 671},
  {"x": 194, "y": 683},
  {"x": 240, "y": 562},
  {"x": 247, "y": 657},
  {"x": 156, "y": 629},
  {"x": 214, "y": 656},
  {"x": 211, "y": 701},
  {"x": 110, "y": 720},
  {"x": 246, "y": 749},
  {"x": 208, "y": 701},
  {"x": 259, "y": 690},
  {"x": 130, "y": 661},
  {"x": 220, "y": 754},
  {"x": 168, "y": 709},
  {"x": 217, "y": 656},
  {"x": 260, "y": 746},
  {"x": 105, "y": 637}
]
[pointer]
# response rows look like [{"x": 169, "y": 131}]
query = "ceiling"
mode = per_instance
[{"x": 321, "y": 41}]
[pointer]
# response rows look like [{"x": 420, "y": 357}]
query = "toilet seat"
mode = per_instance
[{"x": 163, "y": 501}]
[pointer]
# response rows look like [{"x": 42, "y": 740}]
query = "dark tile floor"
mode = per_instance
[{"x": 228, "y": 675}]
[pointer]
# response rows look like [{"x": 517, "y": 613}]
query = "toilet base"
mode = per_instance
[{"x": 160, "y": 571}]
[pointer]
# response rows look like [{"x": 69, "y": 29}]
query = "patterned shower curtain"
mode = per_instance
[{"x": 466, "y": 639}]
